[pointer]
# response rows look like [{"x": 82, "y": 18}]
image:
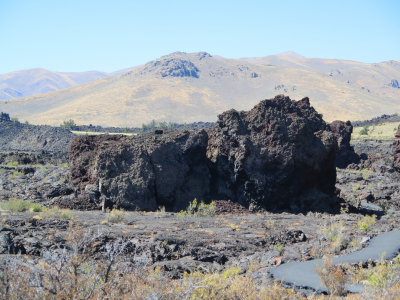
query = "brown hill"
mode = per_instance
[
  {"x": 38, "y": 81},
  {"x": 187, "y": 87}
]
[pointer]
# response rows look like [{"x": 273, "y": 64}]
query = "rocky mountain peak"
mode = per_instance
[{"x": 172, "y": 67}]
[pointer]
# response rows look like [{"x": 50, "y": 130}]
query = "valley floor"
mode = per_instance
[{"x": 226, "y": 253}]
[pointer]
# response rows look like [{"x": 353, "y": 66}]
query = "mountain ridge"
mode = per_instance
[
  {"x": 36, "y": 81},
  {"x": 188, "y": 87}
]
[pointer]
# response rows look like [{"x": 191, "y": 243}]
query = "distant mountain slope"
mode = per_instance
[
  {"x": 184, "y": 87},
  {"x": 40, "y": 81}
]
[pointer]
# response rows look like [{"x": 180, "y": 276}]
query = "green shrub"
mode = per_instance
[
  {"x": 17, "y": 173},
  {"x": 364, "y": 130},
  {"x": 206, "y": 210},
  {"x": 116, "y": 216},
  {"x": 12, "y": 164},
  {"x": 278, "y": 247},
  {"x": 365, "y": 224},
  {"x": 68, "y": 124},
  {"x": 199, "y": 209},
  {"x": 22, "y": 205},
  {"x": 385, "y": 274}
]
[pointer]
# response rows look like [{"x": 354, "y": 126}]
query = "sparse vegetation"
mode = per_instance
[
  {"x": 385, "y": 131},
  {"x": 199, "y": 209},
  {"x": 364, "y": 130},
  {"x": 21, "y": 206},
  {"x": 383, "y": 275},
  {"x": 116, "y": 216},
  {"x": 366, "y": 224},
  {"x": 73, "y": 274},
  {"x": 333, "y": 277},
  {"x": 12, "y": 164},
  {"x": 334, "y": 233},
  {"x": 57, "y": 213},
  {"x": 69, "y": 124},
  {"x": 278, "y": 247}
]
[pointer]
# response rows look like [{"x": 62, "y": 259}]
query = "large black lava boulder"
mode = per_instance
[{"x": 279, "y": 155}]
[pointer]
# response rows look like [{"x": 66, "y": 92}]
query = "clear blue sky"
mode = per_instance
[{"x": 80, "y": 35}]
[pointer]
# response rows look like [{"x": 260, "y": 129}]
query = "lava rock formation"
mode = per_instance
[
  {"x": 141, "y": 172},
  {"x": 278, "y": 156},
  {"x": 396, "y": 150},
  {"x": 25, "y": 137},
  {"x": 345, "y": 154}
]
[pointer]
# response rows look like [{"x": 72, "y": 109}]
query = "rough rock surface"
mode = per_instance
[
  {"x": 396, "y": 150},
  {"x": 377, "y": 120},
  {"x": 24, "y": 137},
  {"x": 345, "y": 154},
  {"x": 373, "y": 180},
  {"x": 142, "y": 172},
  {"x": 252, "y": 242},
  {"x": 37, "y": 177},
  {"x": 279, "y": 155},
  {"x": 172, "y": 67}
]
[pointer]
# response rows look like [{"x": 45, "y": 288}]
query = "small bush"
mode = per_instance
[
  {"x": 365, "y": 225},
  {"x": 364, "y": 130},
  {"x": 68, "y": 124},
  {"x": 335, "y": 234},
  {"x": 206, "y": 210},
  {"x": 199, "y": 209},
  {"x": 17, "y": 173},
  {"x": 21, "y": 206},
  {"x": 36, "y": 208},
  {"x": 12, "y": 164},
  {"x": 116, "y": 216},
  {"x": 278, "y": 247},
  {"x": 383, "y": 276},
  {"x": 332, "y": 277}
]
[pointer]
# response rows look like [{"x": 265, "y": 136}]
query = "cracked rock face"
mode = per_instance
[
  {"x": 173, "y": 67},
  {"x": 144, "y": 172},
  {"x": 345, "y": 154},
  {"x": 278, "y": 156},
  {"x": 396, "y": 150}
]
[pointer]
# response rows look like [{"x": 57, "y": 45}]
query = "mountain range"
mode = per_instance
[{"x": 188, "y": 87}]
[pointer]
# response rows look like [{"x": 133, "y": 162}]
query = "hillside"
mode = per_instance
[
  {"x": 38, "y": 81},
  {"x": 189, "y": 87}
]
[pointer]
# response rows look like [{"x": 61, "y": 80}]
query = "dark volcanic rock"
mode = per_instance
[
  {"x": 396, "y": 150},
  {"x": 279, "y": 155},
  {"x": 25, "y": 137},
  {"x": 143, "y": 172},
  {"x": 4, "y": 117},
  {"x": 378, "y": 120},
  {"x": 345, "y": 154}
]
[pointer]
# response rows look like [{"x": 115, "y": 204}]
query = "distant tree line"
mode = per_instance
[{"x": 160, "y": 125}]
